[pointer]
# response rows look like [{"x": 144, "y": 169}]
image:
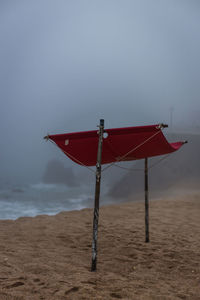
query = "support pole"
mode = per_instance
[
  {"x": 146, "y": 200},
  {"x": 97, "y": 194}
]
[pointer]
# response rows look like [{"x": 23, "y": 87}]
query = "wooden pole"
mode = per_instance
[
  {"x": 146, "y": 201},
  {"x": 97, "y": 194}
]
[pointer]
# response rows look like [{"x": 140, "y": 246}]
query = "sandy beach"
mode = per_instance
[{"x": 49, "y": 257}]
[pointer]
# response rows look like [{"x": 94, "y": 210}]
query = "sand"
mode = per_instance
[{"x": 49, "y": 257}]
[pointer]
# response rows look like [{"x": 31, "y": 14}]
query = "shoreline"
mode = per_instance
[{"x": 106, "y": 201}]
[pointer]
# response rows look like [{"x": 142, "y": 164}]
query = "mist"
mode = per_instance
[
  {"x": 57, "y": 173},
  {"x": 66, "y": 64}
]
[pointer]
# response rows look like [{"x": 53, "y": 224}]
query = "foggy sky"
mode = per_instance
[{"x": 65, "y": 64}]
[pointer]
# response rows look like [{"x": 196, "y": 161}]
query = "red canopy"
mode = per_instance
[{"x": 120, "y": 144}]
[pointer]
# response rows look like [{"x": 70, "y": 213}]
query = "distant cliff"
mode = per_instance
[{"x": 179, "y": 169}]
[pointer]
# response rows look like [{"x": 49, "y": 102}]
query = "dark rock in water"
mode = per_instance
[{"x": 17, "y": 190}]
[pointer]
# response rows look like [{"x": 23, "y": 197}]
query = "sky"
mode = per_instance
[{"x": 67, "y": 63}]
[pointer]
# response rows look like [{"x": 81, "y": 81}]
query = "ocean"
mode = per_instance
[{"x": 36, "y": 199}]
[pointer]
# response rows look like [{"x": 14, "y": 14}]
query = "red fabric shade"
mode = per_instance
[{"x": 120, "y": 144}]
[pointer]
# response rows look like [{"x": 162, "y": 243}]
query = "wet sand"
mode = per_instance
[{"x": 49, "y": 257}]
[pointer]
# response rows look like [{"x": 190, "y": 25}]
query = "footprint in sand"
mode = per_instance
[
  {"x": 115, "y": 295},
  {"x": 72, "y": 290},
  {"x": 15, "y": 284}
]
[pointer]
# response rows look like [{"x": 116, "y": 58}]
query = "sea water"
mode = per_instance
[{"x": 36, "y": 199}]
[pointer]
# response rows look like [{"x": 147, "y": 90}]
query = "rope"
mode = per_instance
[
  {"x": 73, "y": 158},
  {"x": 128, "y": 169},
  {"x": 125, "y": 155},
  {"x": 157, "y": 162},
  {"x": 150, "y": 167}
]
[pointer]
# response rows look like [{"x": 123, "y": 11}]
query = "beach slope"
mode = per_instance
[{"x": 49, "y": 257}]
